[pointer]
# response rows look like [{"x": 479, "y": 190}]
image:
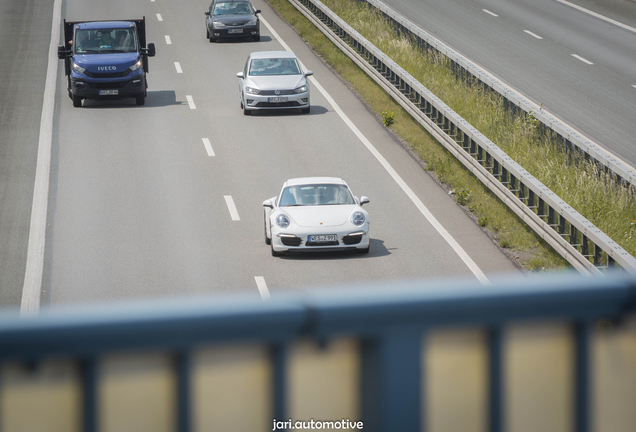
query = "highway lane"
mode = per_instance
[
  {"x": 25, "y": 29},
  {"x": 580, "y": 67},
  {"x": 140, "y": 209}
]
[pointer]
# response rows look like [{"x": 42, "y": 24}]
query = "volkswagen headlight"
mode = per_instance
[
  {"x": 135, "y": 66},
  {"x": 282, "y": 221},
  {"x": 357, "y": 218},
  {"x": 77, "y": 68},
  {"x": 251, "y": 90},
  {"x": 301, "y": 89}
]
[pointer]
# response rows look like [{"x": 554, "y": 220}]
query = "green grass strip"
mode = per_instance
[{"x": 518, "y": 240}]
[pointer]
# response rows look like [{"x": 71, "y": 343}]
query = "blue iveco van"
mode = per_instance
[{"x": 106, "y": 59}]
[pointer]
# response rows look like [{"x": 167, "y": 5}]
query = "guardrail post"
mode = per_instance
[{"x": 391, "y": 381}]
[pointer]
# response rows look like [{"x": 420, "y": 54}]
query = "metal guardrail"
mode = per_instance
[
  {"x": 581, "y": 243},
  {"x": 389, "y": 321},
  {"x": 572, "y": 140}
]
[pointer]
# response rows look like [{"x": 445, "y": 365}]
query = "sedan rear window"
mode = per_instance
[
  {"x": 321, "y": 194},
  {"x": 274, "y": 66}
]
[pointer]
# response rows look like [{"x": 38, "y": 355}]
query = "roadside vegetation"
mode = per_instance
[{"x": 611, "y": 208}]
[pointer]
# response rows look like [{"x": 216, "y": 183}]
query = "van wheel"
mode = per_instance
[
  {"x": 305, "y": 110},
  {"x": 141, "y": 99},
  {"x": 77, "y": 101}
]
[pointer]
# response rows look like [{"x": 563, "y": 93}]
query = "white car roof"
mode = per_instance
[
  {"x": 314, "y": 180},
  {"x": 272, "y": 54}
]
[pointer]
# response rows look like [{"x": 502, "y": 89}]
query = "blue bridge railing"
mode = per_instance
[{"x": 389, "y": 322}]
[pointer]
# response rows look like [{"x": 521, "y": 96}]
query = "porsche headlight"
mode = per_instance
[
  {"x": 250, "y": 90},
  {"x": 301, "y": 89},
  {"x": 357, "y": 218},
  {"x": 77, "y": 68},
  {"x": 135, "y": 66},
  {"x": 282, "y": 221}
]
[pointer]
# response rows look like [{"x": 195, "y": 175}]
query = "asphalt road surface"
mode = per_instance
[
  {"x": 138, "y": 205},
  {"x": 581, "y": 67}
]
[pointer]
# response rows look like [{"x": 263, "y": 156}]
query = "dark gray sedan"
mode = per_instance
[{"x": 230, "y": 19}]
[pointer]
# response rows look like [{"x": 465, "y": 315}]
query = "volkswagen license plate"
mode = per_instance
[
  {"x": 235, "y": 31},
  {"x": 324, "y": 238},
  {"x": 277, "y": 99},
  {"x": 108, "y": 92}
]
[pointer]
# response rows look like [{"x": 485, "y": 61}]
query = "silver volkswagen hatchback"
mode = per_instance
[{"x": 273, "y": 80}]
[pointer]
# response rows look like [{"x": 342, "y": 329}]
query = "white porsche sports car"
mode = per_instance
[{"x": 316, "y": 214}]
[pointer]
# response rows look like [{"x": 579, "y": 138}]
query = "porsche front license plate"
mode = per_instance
[
  {"x": 325, "y": 238},
  {"x": 235, "y": 31},
  {"x": 277, "y": 99},
  {"x": 108, "y": 92}
]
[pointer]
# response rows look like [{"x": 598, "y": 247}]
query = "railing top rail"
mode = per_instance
[{"x": 365, "y": 312}]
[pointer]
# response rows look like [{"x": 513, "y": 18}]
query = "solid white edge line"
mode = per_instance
[
  {"x": 159, "y": 18},
  {"x": 191, "y": 102},
  {"x": 262, "y": 287},
  {"x": 532, "y": 34},
  {"x": 208, "y": 146},
  {"x": 491, "y": 13},
  {"x": 418, "y": 203},
  {"x": 231, "y": 207},
  {"x": 168, "y": 41},
  {"x": 177, "y": 66},
  {"x": 594, "y": 14},
  {"x": 32, "y": 287},
  {"x": 582, "y": 59}
]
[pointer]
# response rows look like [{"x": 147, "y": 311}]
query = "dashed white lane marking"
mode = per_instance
[
  {"x": 168, "y": 41},
  {"x": 231, "y": 207},
  {"x": 262, "y": 287},
  {"x": 159, "y": 17},
  {"x": 582, "y": 59},
  {"x": 418, "y": 203},
  {"x": 599, "y": 16},
  {"x": 177, "y": 66},
  {"x": 32, "y": 286},
  {"x": 634, "y": 86},
  {"x": 191, "y": 102},
  {"x": 208, "y": 146},
  {"x": 532, "y": 34},
  {"x": 488, "y": 12}
]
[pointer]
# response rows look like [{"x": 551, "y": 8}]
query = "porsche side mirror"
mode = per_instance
[
  {"x": 240, "y": 75},
  {"x": 268, "y": 203},
  {"x": 364, "y": 200}
]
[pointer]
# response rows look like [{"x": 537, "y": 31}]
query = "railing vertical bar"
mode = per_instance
[
  {"x": 89, "y": 390},
  {"x": 583, "y": 331},
  {"x": 279, "y": 364},
  {"x": 496, "y": 390},
  {"x": 183, "y": 366}
]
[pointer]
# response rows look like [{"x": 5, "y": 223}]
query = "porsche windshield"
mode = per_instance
[
  {"x": 274, "y": 66},
  {"x": 311, "y": 195},
  {"x": 105, "y": 41}
]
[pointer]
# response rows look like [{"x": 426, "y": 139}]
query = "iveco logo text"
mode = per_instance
[{"x": 105, "y": 68}]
